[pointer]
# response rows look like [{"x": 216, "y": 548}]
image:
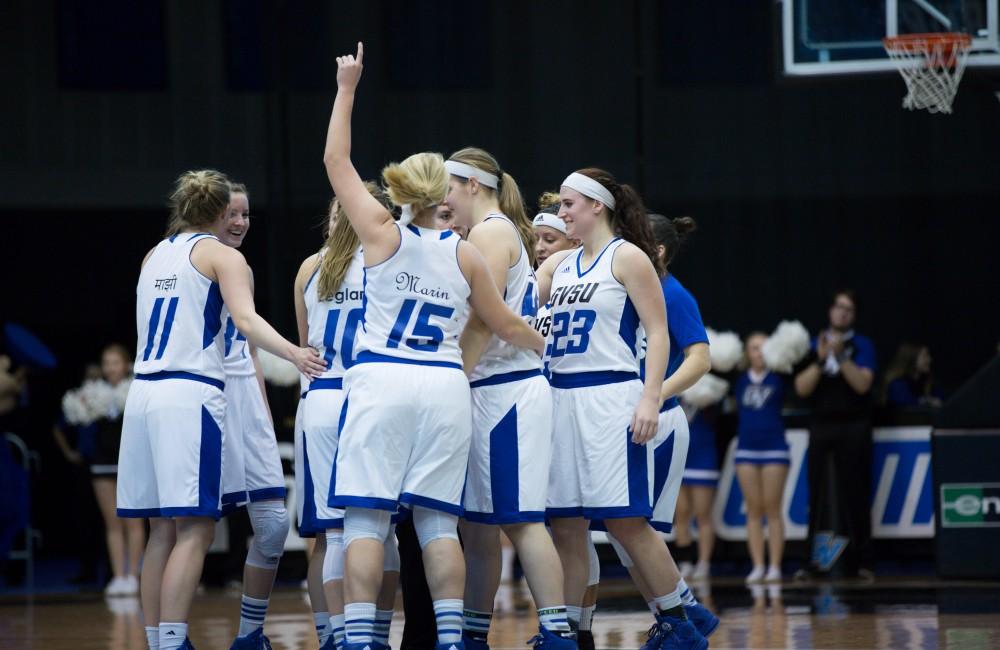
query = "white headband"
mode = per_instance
[
  {"x": 550, "y": 220},
  {"x": 589, "y": 187},
  {"x": 462, "y": 170}
]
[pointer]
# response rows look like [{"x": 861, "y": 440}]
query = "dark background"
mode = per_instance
[{"x": 798, "y": 185}]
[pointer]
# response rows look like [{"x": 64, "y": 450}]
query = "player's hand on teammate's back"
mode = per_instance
[
  {"x": 308, "y": 361},
  {"x": 349, "y": 69},
  {"x": 645, "y": 421}
]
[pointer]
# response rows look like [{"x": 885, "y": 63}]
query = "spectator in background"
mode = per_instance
[
  {"x": 836, "y": 380},
  {"x": 908, "y": 381}
]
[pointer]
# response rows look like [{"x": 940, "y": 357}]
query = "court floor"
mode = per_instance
[{"x": 908, "y": 613}]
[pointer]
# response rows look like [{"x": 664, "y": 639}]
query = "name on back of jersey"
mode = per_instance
[{"x": 411, "y": 283}]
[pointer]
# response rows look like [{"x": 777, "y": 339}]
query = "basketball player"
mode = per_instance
[
  {"x": 688, "y": 362},
  {"x": 251, "y": 472},
  {"x": 171, "y": 454},
  {"x": 604, "y": 416},
  {"x": 511, "y": 449},
  {"x": 407, "y": 409},
  {"x": 329, "y": 306}
]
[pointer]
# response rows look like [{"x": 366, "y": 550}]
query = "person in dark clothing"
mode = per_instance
[
  {"x": 836, "y": 379},
  {"x": 420, "y": 629},
  {"x": 909, "y": 382}
]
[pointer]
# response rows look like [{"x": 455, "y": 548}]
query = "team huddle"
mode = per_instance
[{"x": 523, "y": 378}]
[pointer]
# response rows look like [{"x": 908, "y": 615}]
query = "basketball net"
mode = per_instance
[{"x": 932, "y": 67}]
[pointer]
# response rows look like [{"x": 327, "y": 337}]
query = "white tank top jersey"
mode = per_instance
[
  {"x": 238, "y": 362},
  {"x": 543, "y": 325},
  {"x": 595, "y": 327},
  {"x": 521, "y": 295},
  {"x": 416, "y": 302},
  {"x": 334, "y": 324},
  {"x": 179, "y": 313}
]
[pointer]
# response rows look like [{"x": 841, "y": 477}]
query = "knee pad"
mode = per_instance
[
  {"x": 270, "y": 530},
  {"x": 333, "y": 560},
  {"x": 433, "y": 525},
  {"x": 391, "y": 562},
  {"x": 595, "y": 565},
  {"x": 623, "y": 555},
  {"x": 365, "y": 523}
]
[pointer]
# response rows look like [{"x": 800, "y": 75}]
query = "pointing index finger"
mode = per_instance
[{"x": 361, "y": 52}]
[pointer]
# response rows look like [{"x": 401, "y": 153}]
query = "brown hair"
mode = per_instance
[
  {"x": 120, "y": 350},
  {"x": 199, "y": 197},
  {"x": 238, "y": 188},
  {"x": 341, "y": 244},
  {"x": 904, "y": 365},
  {"x": 420, "y": 181},
  {"x": 671, "y": 233},
  {"x": 549, "y": 202},
  {"x": 508, "y": 193},
  {"x": 628, "y": 220}
]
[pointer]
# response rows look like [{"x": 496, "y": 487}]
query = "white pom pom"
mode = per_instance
[
  {"x": 99, "y": 398},
  {"x": 73, "y": 408},
  {"x": 788, "y": 345},
  {"x": 120, "y": 395},
  {"x": 725, "y": 348},
  {"x": 706, "y": 391},
  {"x": 276, "y": 370}
]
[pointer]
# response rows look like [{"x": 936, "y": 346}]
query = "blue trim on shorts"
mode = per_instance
[
  {"x": 669, "y": 404},
  {"x": 209, "y": 463},
  {"x": 308, "y": 493},
  {"x": 493, "y": 519},
  {"x": 265, "y": 494},
  {"x": 372, "y": 503},
  {"x": 153, "y": 513},
  {"x": 662, "y": 457},
  {"x": 326, "y": 383},
  {"x": 661, "y": 526},
  {"x": 564, "y": 513},
  {"x": 760, "y": 461},
  {"x": 374, "y": 357},
  {"x": 180, "y": 374},
  {"x": 432, "y": 504},
  {"x": 234, "y": 497},
  {"x": 504, "y": 475},
  {"x": 506, "y": 378},
  {"x": 584, "y": 379},
  {"x": 709, "y": 482},
  {"x": 618, "y": 512},
  {"x": 637, "y": 466}
]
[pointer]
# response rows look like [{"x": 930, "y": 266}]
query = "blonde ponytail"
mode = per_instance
[{"x": 420, "y": 181}]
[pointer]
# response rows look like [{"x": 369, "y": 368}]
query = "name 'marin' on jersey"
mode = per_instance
[
  {"x": 335, "y": 323},
  {"x": 416, "y": 302},
  {"x": 595, "y": 327},
  {"x": 179, "y": 313}
]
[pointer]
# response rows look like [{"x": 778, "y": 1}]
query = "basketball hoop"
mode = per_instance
[{"x": 932, "y": 67}]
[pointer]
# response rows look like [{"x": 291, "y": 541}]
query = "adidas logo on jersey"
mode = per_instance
[{"x": 565, "y": 269}]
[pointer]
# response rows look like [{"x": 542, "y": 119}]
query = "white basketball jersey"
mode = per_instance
[
  {"x": 335, "y": 323},
  {"x": 179, "y": 313},
  {"x": 521, "y": 295},
  {"x": 238, "y": 362},
  {"x": 595, "y": 327},
  {"x": 416, "y": 302}
]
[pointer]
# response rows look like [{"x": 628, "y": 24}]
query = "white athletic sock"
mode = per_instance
[
  {"x": 359, "y": 622},
  {"x": 322, "y": 622},
  {"x": 172, "y": 635},
  {"x": 554, "y": 619},
  {"x": 668, "y": 602},
  {"x": 337, "y": 629},
  {"x": 573, "y": 613},
  {"x": 476, "y": 624},
  {"x": 252, "y": 612},
  {"x": 687, "y": 598},
  {"x": 383, "y": 621},
  {"x": 153, "y": 637},
  {"x": 652, "y": 606},
  {"x": 587, "y": 617},
  {"x": 449, "y": 620}
]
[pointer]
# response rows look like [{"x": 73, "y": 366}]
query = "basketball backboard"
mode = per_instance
[{"x": 823, "y": 37}]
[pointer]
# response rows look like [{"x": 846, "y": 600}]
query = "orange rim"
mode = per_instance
[{"x": 911, "y": 42}]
